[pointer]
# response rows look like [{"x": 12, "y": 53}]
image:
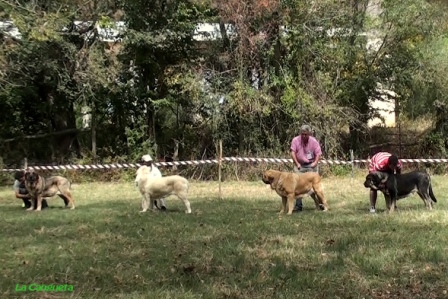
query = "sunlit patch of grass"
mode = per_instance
[{"x": 237, "y": 247}]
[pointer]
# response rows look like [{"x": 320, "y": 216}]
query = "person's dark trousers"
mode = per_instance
[
  {"x": 299, "y": 205},
  {"x": 26, "y": 202}
]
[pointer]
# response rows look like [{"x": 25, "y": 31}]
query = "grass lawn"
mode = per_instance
[{"x": 237, "y": 247}]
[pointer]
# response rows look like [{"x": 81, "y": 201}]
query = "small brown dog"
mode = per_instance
[
  {"x": 39, "y": 187},
  {"x": 291, "y": 186}
]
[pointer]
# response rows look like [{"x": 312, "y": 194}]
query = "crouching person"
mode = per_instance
[
  {"x": 22, "y": 193},
  {"x": 154, "y": 173}
]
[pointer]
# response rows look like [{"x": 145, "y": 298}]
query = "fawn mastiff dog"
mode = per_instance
[
  {"x": 398, "y": 186},
  {"x": 291, "y": 185},
  {"x": 152, "y": 188},
  {"x": 39, "y": 187}
]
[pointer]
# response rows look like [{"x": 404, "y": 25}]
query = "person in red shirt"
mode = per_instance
[{"x": 383, "y": 162}]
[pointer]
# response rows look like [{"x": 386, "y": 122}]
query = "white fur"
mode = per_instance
[
  {"x": 155, "y": 187},
  {"x": 155, "y": 173}
]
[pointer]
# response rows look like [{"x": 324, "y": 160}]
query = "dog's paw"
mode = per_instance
[
  {"x": 142, "y": 211},
  {"x": 323, "y": 208}
]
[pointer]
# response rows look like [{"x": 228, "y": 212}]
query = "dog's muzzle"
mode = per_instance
[
  {"x": 265, "y": 180},
  {"x": 369, "y": 184}
]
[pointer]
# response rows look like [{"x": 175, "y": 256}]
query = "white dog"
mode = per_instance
[
  {"x": 153, "y": 188},
  {"x": 154, "y": 173}
]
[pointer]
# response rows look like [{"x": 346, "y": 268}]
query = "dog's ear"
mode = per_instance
[{"x": 371, "y": 177}]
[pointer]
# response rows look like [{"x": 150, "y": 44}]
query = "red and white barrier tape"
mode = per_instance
[
  {"x": 202, "y": 162},
  {"x": 275, "y": 160}
]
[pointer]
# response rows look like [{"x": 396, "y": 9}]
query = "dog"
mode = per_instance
[
  {"x": 154, "y": 172},
  {"x": 291, "y": 185},
  {"x": 39, "y": 187},
  {"x": 398, "y": 186},
  {"x": 153, "y": 188}
]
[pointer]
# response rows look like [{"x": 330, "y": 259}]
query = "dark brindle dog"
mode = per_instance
[
  {"x": 39, "y": 187},
  {"x": 398, "y": 186}
]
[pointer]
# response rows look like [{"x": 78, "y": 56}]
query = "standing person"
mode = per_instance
[
  {"x": 306, "y": 153},
  {"x": 22, "y": 193},
  {"x": 155, "y": 173},
  {"x": 383, "y": 162}
]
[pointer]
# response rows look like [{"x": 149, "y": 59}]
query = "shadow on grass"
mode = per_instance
[{"x": 224, "y": 249}]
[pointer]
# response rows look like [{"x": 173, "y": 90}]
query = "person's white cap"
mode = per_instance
[{"x": 146, "y": 158}]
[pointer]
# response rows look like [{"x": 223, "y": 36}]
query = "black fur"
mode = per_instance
[
  {"x": 162, "y": 208},
  {"x": 398, "y": 186}
]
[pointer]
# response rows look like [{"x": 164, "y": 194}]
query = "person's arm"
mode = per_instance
[
  {"x": 294, "y": 158},
  {"x": 293, "y": 152},
  {"x": 17, "y": 191},
  {"x": 316, "y": 161},
  {"x": 317, "y": 154},
  {"x": 18, "y": 195}
]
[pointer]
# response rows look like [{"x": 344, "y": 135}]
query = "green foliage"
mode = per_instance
[
  {"x": 290, "y": 63},
  {"x": 340, "y": 170},
  {"x": 5, "y": 178},
  {"x": 430, "y": 80},
  {"x": 413, "y": 56},
  {"x": 137, "y": 143},
  {"x": 434, "y": 145}
]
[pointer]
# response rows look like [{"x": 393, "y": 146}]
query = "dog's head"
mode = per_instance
[
  {"x": 31, "y": 178},
  {"x": 269, "y": 176},
  {"x": 376, "y": 180},
  {"x": 142, "y": 173}
]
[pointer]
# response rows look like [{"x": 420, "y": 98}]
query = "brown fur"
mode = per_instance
[
  {"x": 39, "y": 187},
  {"x": 291, "y": 186}
]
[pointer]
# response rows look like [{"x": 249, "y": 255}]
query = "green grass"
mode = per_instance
[{"x": 237, "y": 247}]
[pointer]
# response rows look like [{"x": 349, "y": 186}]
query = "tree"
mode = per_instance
[{"x": 158, "y": 44}]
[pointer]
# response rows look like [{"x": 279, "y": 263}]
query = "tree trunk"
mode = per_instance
[
  {"x": 176, "y": 153},
  {"x": 151, "y": 122},
  {"x": 61, "y": 114},
  {"x": 93, "y": 126}
]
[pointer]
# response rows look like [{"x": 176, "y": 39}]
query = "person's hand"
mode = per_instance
[
  {"x": 314, "y": 164},
  {"x": 298, "y": 165}
]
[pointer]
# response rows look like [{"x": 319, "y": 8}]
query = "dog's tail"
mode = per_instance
[{"x": 431, "y": 194}]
